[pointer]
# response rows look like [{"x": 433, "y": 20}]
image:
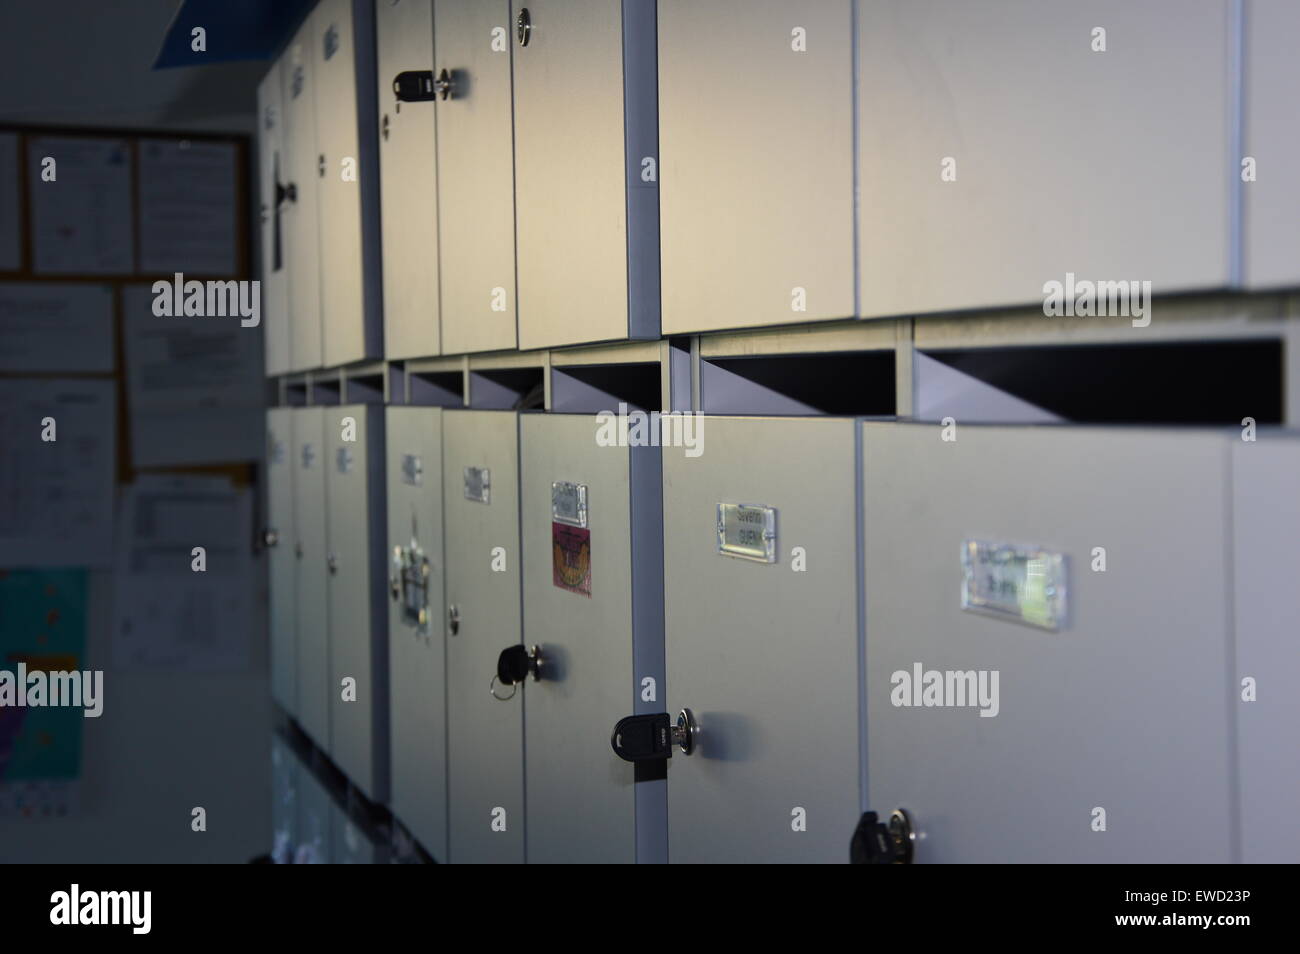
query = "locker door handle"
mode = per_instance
[
  {"x": 524, "y": 26},
  {"x": 453, "y": 619},
  {"x": 646, "y": 738},
  {"x": 880, "y": 843},
  {"x": 270, "y": 537},
  {"x": 332, "y": 562},
  {"x": 320, "y": 164},
  {"x": 285, "y": 193}
]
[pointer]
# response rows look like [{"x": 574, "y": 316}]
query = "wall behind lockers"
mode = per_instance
[{"x": 184, "y": 722}]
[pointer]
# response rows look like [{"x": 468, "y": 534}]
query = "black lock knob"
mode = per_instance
[
  {"x": 414, "y": 86},
  {"x": 514, "y": 665},
  {"x": 877, "y": 843},
  {"x": 642, "y": 738}
]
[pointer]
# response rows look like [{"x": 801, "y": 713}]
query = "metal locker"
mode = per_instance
[
  {"x": 300, "y": 211},
  {"x": 1001, "y": 148},
  {"x": 1266, "y": 605},
  {"x": 763, "y": 640},
  {"x": 586, "y": 188},
  {"x": 1047, "y": 646},
  {"x": 280, "y": 540},
  {"x": 273, "y": 171},
  {"x": 593, "y": 605},
  {"x": 358, "y": 584},
  {"x": 408, "y": 167},
  {"x": 780, "y": 164},
  {"x": 476, "y": 195},
  {"x": 343, "y": 65},
  {"x": 284, "y": 802},
  {"x": 485, "y": 736},
  {"x": 416, "y": 641},
  {"x": 1270, "y": 147},
  {"x": 311, "y": 551}
]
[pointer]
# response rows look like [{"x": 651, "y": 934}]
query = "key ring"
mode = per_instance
[{"x": 492, "y": 688}]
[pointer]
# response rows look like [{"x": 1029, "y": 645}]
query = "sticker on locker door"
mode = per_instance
[
  {"x": 1024, "y": 584},
  {"x": 571, "y": 558}
]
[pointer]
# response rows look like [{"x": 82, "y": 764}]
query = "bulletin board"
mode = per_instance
[{"x": 89, "y": 220}]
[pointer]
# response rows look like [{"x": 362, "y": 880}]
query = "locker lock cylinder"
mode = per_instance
[
  {"x": 514, "y": 665},
  {"x": 883, "y": 843},
  {"x": 646, "y": 738}
]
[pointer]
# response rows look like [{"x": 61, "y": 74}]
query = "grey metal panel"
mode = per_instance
[
  {"x": 1271, "y": 136},
  {"x": 1266, "y": 530},
  {"x": 1014, "y": 93},
  {"x": 580, "y": 799},
  {"x": 476, "y": 175},
  {"x": 343, "y": 62},
  {"x": 417, "y": 652},
  {"x": 300, "y": 222},
  {"x": 282, "y": 564},
  {"x": 586, "y": 222},
  {"x": 757, "y": 189},
  {"x": 273, "y": 169},
  {"x": 311, "y": 548},
  {"x": 1125, "y": 708},
  {"x": 485, "y": 736},
  {"x": 765, "y": 655},
  {"x": 408, "y": 187},
  {"x": 358, "y": 631}
]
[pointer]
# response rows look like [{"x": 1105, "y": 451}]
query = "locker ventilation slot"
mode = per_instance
[
  {"x": 854, "y": 383},
  {"x": 295, "y": 394},
  {"x": 437, "y": 388},
  {"x": 1197, "y": 383},
  {"x": 596, "y": 388},
  {"x": 327, "y": 391},
  {"x": 505, "y": 389},
  {"x": 366, "y": 389}
]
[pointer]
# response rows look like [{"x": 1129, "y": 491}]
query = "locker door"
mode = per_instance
[
  {"x": 474, "y": 43},
  {"x": 1271, "y": 134},
  {"x": 343, "y": 51},
  {"x": 593, "y": 596},
  {"x": 1121, "y": 710},
  {"x": 763, "y": 647},
  {"x": 1266, "y": 530},
  {"x": 300, "y": 217},
  {"x": 311, "y": 550},
  {"x": 1111, "y": 166},
  {"x": 586, "y": 221},
  {"x": 416, "y": 641},
  {"x": 756, "y": 201},
  {"x": 282, "y": 563},
  {"x": 273, "y": 171},
  {"x": 484, "y": 735},
  {"x": 408, "y": 183},
  {"x": 358, "y": 637}
]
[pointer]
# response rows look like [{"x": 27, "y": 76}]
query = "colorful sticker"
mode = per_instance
[{"x": 571, "y": 558}]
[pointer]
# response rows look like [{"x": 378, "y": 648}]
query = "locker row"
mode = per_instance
[
  {"x": 459, "y": 176},
  {"x": 1028, "y": 643}
]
